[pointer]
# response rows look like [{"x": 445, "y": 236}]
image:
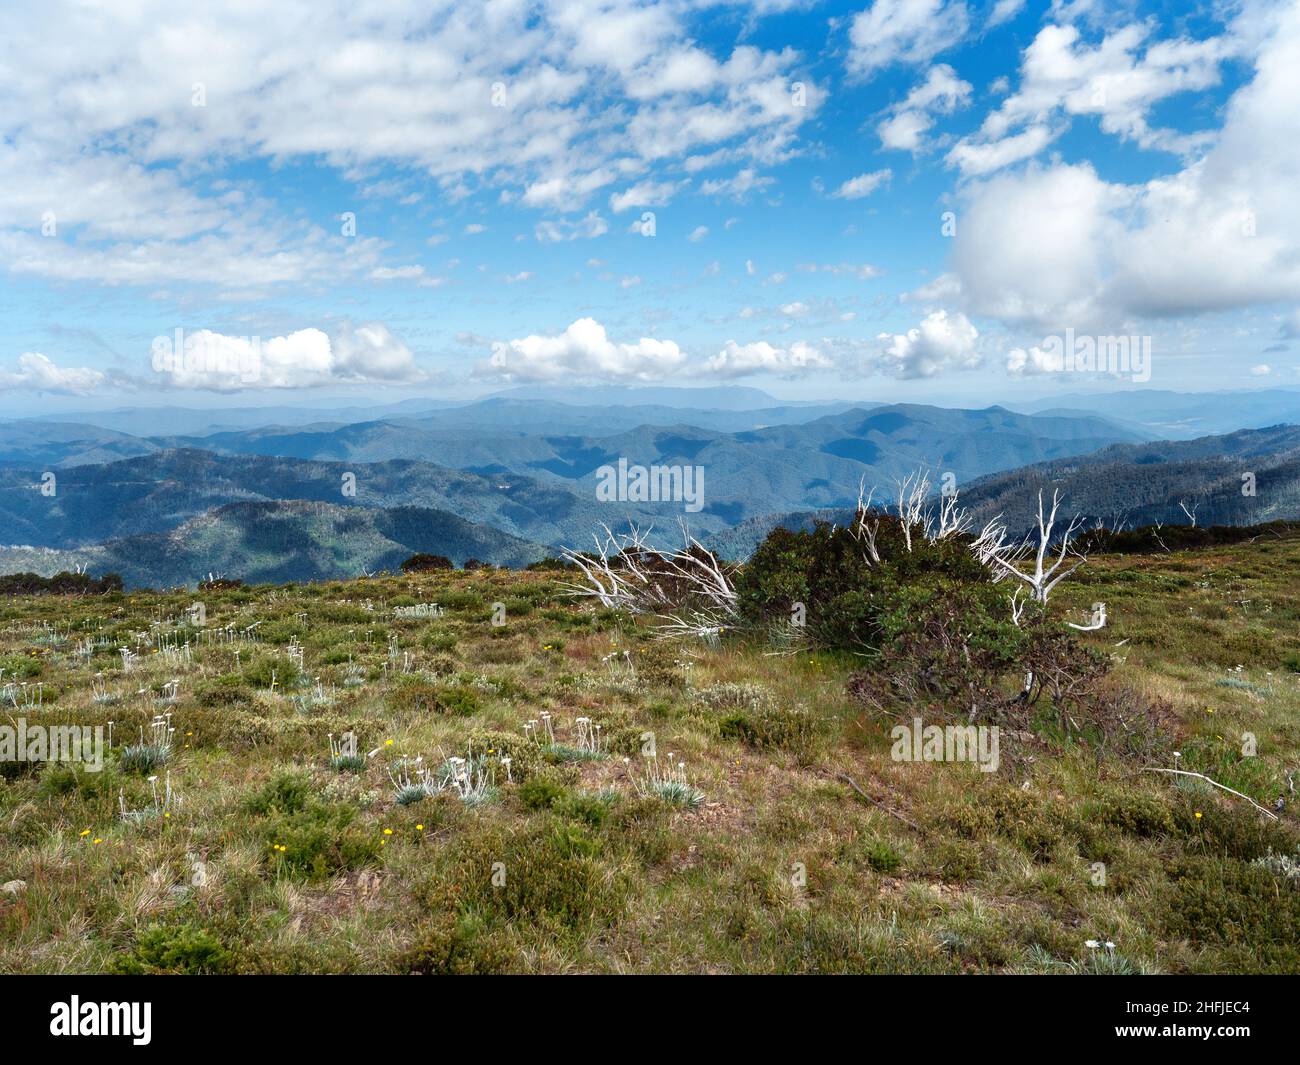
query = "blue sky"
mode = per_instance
[{"x": 894, "y": 201}]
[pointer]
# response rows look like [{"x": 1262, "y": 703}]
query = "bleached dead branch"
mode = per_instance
[
  {"x": 688, "y": 589},
  {"x": 1045, "y": 575}
]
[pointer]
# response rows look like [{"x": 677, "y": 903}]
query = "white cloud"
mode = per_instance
[
  {"x": 942, "y": 92},
  {"x": 862, "y": 271},
  {"x": 738, "y": 187},
  {"x": 414, "y": 273},
  {"x": 1024, "y": 362},
  {"x": 862, "y": 185},
  {"x": 1063, "y": 77},
  {"x": 1004, "y": 11},
  {"x": 308, "y": 358},
  {"x": 588, "y": 227},
  {"x": 1262, "y": 370},
  {"x": 1059, "y": 246},
  {"x": 544, "y": 105},
  {"x": 566, "y": 192},
  {"x": 740, "y": 360},
  {"x": 645, "y": 194},
  {"x": 903, "y": 31},
  {"x": 941, "y": 342},
  {"x": 582, "y": 351},
  {"x": 974, "y": 158},
  {"x": 37, "y": 373},
  {"x": 698, "y": 234}
]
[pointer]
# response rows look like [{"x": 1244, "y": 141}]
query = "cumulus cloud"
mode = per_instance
[
  {"x": 307, "y": 358},
  {"x": 582, "y": 351},
  {"x": 941, "y": 93},
  {"x": 974, "y": 157},
  {"x": 1058, "y": 245},
  {"x": 740, "y": 360},
  {"x": 903, "y": 31},
  {"x": 941, "y": 342},
  {"x": 1025, "y": 362},
  {"x": 38, "y": 373}
]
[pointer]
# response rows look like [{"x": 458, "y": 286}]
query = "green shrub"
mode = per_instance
[
  {"x": 772, "y": 727},
  {"x": 319, "y": 840},
  {"x": 882, "y": 857},
  {"x": 541, "y": 793},
  {"x": 448, "y": 944},
  {"x": 176, "y": 949},
  {"x": 554, "y": 877},
  {"x": 420, "y": 697},
  {"x": 1236, "y": 909}
]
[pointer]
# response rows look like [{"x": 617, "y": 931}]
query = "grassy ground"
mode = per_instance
[{"x": 275, "y": 860}]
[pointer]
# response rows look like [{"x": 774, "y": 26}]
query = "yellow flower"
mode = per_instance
[
  {"x": 419, "y": 828},
  {"x": 85, "y": 832},
  {"x": 97, "y": 840},
  {"x": 1198, "y": 815},
  {"x": 388, "y": 832},
  {"x": 388, "y": 743}
]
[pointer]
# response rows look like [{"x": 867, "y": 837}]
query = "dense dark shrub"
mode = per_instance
[
  {"x": 1149, "y": 539},
  {"x": 426, "y": 563},
  {"x": 60, "y": 584},
  {"x": 850, "y": 599},
  {"x": 219, "y": 584},
  {"x": 949, "y": 663}
]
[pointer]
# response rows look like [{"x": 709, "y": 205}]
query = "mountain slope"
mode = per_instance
[
  {"x": 53, "y": 444},
  {"x": 157, "y": 492},
  {"x": 757, "y": 471},
  {"x": 1146, "y": 483},
  {"x": 284, "y": 541}
]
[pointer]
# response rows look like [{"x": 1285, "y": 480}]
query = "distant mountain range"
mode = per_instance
[
  {"x": 541, "y": 487},
  {"x": 1124, "y": 485},
  {"x": 282, "y": 541},
  {"x": 157, "y": 492},
  {"x": 1169, "y": 415},
  {"x": 519, "y": 472}
]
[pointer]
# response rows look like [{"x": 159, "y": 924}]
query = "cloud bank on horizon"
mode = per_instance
[{"x": 908, "y": 194}]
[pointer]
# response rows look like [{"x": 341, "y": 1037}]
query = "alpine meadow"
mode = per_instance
[{"x": 650, "y": 487}]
